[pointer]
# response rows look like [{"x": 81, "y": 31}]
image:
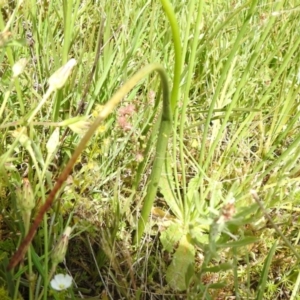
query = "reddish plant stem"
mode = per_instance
[
  {"x": 19, "y": 254},
  {"x": 106, "y": 110}
]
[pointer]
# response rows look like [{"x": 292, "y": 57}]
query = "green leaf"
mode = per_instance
[
  {"x": 199, "y": 236},
  {"x": 171, "y": 236},
  {"x": 265, "y": 271},
  {"x": 240, "y": 243},
  {"x": 167, "y": 188},
  {"x": 181, "y": 268},
  {"x": 221, "y": 267},
  {"x": 193, "y": 187}
]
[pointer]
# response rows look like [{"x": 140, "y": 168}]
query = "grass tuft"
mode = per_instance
[{"x": 192, "y": 196}]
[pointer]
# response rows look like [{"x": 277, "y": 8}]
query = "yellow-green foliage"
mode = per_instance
[{"x": 3, "y": 294}]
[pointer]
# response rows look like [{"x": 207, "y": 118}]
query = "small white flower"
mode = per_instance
[{"x": 61, "y": 282}]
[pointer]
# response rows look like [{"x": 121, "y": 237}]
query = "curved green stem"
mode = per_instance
[
  {"x": 165, "y": 125},
  {"x": 162, "y": 142},
  {"x": 177, "y": 48},
  {"x": 165, "y": 128}
]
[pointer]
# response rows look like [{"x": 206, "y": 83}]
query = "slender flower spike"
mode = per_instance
[
  {"x": 59, "y": 252},
  {"x": 61, "y": 282},
  {"x": 59, "y": 78}
]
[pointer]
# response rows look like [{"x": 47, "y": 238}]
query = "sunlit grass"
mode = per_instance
[{"x": 233, "y": 147}]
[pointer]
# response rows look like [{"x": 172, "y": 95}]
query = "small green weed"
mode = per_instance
[{"x": 188, "y": 195}]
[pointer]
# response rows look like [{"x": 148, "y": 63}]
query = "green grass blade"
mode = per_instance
[{"x": 265, "y": 272}]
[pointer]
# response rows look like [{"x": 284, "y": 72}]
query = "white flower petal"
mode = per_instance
[{"x": 61, "y": 282}]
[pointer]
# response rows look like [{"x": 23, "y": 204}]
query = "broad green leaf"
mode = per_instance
[
  {"x": 171, "y": 236},
  {"x": 182, "y": 265},
  {"x": 193, "y": 187},
  {"x": 199, "y": 235}
]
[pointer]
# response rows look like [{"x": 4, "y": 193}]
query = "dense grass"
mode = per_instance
[{"x": 223, "y": 199}]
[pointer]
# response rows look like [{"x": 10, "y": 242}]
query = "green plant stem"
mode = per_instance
[
  {"x": 51, "y": 273},
  {"x": 177, "y": 48},
  {"x": 296, "y": 288},
  {"x": 164, "y": 132},
  {"x": 182, "y": 114},
  {"x": 68, "y": 25},
  {"x": 31, "y": 279},
  {"x": 165, "y": 129},
  {"x": 26, "y": 220},
  {"x": 42, "y": 102},
  {"x": 10, "y": 55},
  {"x": 22, "y": 131},
  {"x": 177, "y": 72},
  {"x": 186, "y": 94},
  {"x": 70, "y": 9},
  {"x": 45, "y": 228},
  {"x": 16, "y": 293},
  {"x": 64, "y": 123},
  {"x": 6, "y": 96}
]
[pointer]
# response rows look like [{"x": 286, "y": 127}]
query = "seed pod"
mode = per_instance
[
  {"x": 59, "y": 252},
  {"x": 59, "y": 78}
]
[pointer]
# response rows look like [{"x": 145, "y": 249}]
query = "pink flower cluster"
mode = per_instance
[{"x": 124, "y": 114}]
